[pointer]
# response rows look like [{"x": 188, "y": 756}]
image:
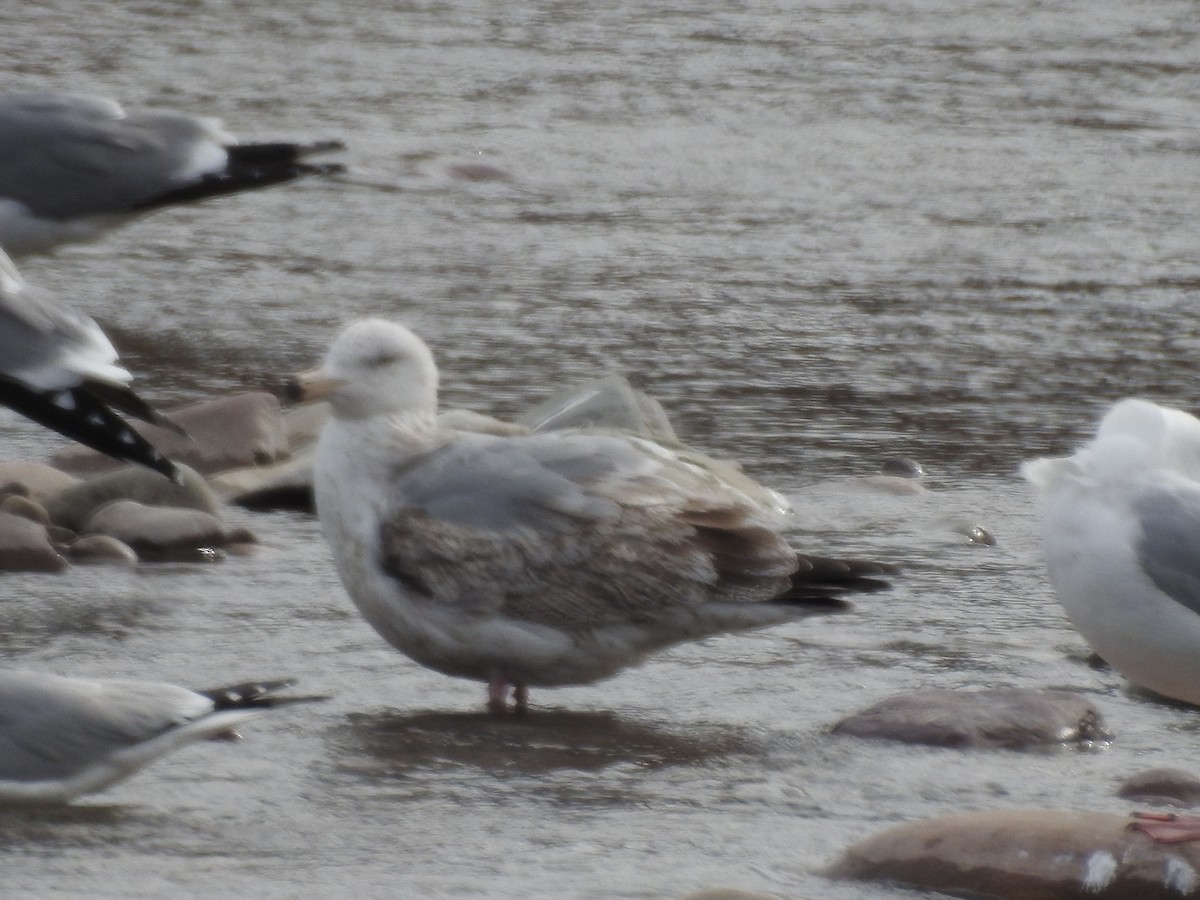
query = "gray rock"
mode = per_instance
[
  {"x": 73, "y": 507},
  {"x": 101, "y": 549},
  {"x": 1004, "y": 717},
  {"x": 160, "y": 533},
  {"x": 39, "y": 479},
  {"x": 1026, "y": 854},
  {"x": 228, "y": 432},
  {"x": 1174, "y": 786},
  {"x": 25, "y": 547}
]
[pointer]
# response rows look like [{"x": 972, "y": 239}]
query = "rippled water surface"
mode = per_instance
[{"x": 821, "y": 234}]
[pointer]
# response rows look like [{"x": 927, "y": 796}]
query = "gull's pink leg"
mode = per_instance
[
  {"x": 1167, "y": 828},
  {"x": 497, "y": 703}
]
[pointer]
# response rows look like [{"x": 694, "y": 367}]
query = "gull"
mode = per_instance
[
  {"x": 1120, "y": 527},
  {"x": 62, "y": 737},
  {"x": 58, "y": 368},
  {"x": 542, "y": 559},
  {"x": 73, "y": 166}
]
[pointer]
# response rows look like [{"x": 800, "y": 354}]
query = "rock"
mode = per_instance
[
  {"x": 1160, "y": 786},
  {"x": 38, "y": 479},
  {"x": 160, "y": 533},
  {"x": 73, "y": 507},
  {"x": 26, "y": 508},
  {"x": 25, "y": 547},
  {"x": 303, "y": 424},
  {"x": 229, "y": 432},
  {"x": 101, "y": 549},
  {"x": 1029, "y": 854},
  {"x": 286, "y": 485},
  {"x": 1002, "y": 717}
]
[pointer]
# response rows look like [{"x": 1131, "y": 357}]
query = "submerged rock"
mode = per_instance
[
  {"x": 74, "y": 506},
  {"x": 1004, "y": 717},
  {"x": 25, "y": 546},
  {"x": 1030, "y": 854}
]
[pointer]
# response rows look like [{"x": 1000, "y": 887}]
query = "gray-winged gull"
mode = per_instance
[
  {"x": 58, "y": 368},
  {"x": 543, "y": 559},
  {"x": 72, "y": 166},
  {"x": 1120, "y": 528},
  {"x": 64, "y": 737}
]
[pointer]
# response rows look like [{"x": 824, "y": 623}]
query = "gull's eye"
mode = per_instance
[{"x": 381, "y": 359}]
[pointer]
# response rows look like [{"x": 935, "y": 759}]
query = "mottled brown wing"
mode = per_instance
[{"x": 576, "y": 532}]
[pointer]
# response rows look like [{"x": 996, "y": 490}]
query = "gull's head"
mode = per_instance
[{"x": 373, "y": 368}]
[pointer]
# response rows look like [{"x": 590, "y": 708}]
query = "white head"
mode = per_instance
[{"x": 374, "y": 367}]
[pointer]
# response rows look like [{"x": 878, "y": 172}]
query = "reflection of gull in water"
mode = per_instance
[
  {"x": 58, "y": 368},
  {"x": 1121, "y": 524},
  {"x": 64, "y": 737},
  {"x": 552, "y": 558},
  {"x": 72, "y": 166}
]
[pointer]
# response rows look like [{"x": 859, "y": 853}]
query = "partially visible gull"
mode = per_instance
[
  {"x": 72, "y": 166},
  {"x": 550, "y": 558},
  {"x": 1121, "y": 527},
  {"x": 61, "y": 737},
  {"x": 58, "y": 368}
]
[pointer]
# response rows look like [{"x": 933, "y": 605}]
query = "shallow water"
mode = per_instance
[{"x": 820, "y": 236}]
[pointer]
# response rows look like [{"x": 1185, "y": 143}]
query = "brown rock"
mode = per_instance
[
  {"x": 228, "y": 432},
  {"x": 38, "y": 479},
  {"x": 1002, "y": 717},
  {"x": 1030, "y": 854},
  {"x": 25, "y": 547},
  {"x": 26, "y": 508},
  {"x": 160, "y": 533},
  {"x": 1175, "y": 786},
  {"x": 73, "y": 507},
  {"x": 101, "y": 549}
]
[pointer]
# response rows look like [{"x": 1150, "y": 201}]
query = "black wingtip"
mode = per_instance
[
  {"x": 257, "y": 695},
  {"x": 251, "y": 166},
  {"x": 825, "y": 579},
  {"x": 78, "y": 413}
]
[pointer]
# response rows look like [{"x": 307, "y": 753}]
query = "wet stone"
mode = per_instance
[
  {"x": 25, "y": 547},
  {"x": 242, "y": 429},
  {"x": 1003, "y": 717},
  {"x": 160, "y": 533},
  {"x": 35, "y": 479},
  {"x": 74, "y": 507},
  {"x": 101, "y": 549},
  {"x": 1162, "y": 786},
  {"x": 1026, "y": 854},
  {"x": 26, "y": 508}
]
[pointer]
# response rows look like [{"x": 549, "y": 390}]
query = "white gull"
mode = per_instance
[
  {"x": 543, "y": 559},
  {"x": 1121, "y": 524},
  {"x": 73, "y": 166},
  {"x": 58, "y": 368},
  {"x": 61, "y": 737}
]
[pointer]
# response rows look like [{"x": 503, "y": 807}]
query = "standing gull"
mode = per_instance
[
  {"x": 543, "y": 559},
  {"x": 1121, "y": 524},
  {"x": 64, "y": 737},
  {"x": 58, "y": 368},
  {"x": 1120, "y": 528},
  {"x": 72, "y": 166}
]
